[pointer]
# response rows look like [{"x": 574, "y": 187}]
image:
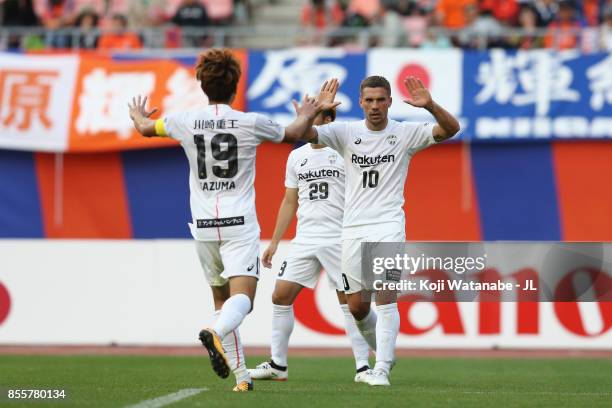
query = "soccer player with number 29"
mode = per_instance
[{"x": 314, "y": 184}]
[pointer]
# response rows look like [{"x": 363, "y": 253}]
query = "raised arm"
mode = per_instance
[
  {"x": 286, "y": 212},
  {"x": 141, "y": 118},
  {"x": 301, "y": 129},
  {"x": 447, "y": 125}
]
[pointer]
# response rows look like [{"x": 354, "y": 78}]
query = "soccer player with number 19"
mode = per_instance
[
  {"x": 377, "y": 152},
  {"x": 220, "y": 144}
]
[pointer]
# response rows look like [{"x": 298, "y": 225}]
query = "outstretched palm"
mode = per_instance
[
  {"x": 327, "y": 94},
  {"x": 419, "y": 95},
  {"x": 138, "y": 108}
]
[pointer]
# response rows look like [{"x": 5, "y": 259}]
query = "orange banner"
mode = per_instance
[{"x": 100, "y": 120}]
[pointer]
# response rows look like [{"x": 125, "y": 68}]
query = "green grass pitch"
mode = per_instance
[{"x": 117, "y": 381}]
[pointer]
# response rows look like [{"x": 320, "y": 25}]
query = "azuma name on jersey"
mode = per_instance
[
  {"x": 318, "y": 174},
  {"x": 366, "y": 161},
  {"x": 217, "y": 185}
]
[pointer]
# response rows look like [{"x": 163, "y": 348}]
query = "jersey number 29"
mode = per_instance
[
  {"x": 318, "y": 191},
  {"x": 230, "y": 154}
]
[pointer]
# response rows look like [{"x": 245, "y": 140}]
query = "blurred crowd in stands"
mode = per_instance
[
  {"x": 119, "y": 24},
  {"x": 523, "y": 24},
  {"x": 116, "y": 24}
]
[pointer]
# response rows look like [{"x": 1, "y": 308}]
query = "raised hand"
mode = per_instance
[
  {"x": 419, "y": 95},
  {"x": 310, "y": 107},
  {"x": 138, "y": 108},
  {"x": 328, "y": 91}
]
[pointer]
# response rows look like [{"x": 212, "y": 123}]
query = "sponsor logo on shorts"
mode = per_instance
[
  {"x": 250, "y": 268},
  {"x": 220, "y": 222}
]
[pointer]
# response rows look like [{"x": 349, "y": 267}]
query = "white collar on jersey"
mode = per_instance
[{"x": 218, "y": 109}]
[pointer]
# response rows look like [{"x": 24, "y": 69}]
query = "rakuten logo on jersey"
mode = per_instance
[
  {"x": 318, "y": 174},
  {"x": 367, "y": 161}
]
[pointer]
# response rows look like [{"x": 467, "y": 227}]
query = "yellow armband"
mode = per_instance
[{"x": 160, "y": 128}]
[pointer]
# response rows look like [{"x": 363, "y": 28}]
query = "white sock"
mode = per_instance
[
  {"x": 282, "y": 326},
  {"x": 367, "y": 328},
  {"x": 360, "y": 347},
  {"x": 387, "y": 329},
  {"x": 232, "y": 313},
  {"x": 235, "y": 354}
]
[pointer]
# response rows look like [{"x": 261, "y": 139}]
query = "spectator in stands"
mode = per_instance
[
  {"x": 351, "y": 20},
  {"x": 87, "y": 23},
  {"x": 452, "y": 13},
  {"x": 97, "y": 6},
  {"x": 118, "y": 37},
  {"x": 482, "y": 30},
  {"x": 368, "y": 9},
  {"x": 143, "y": 13},
  {"x": 55, "y": 16},
  {"x": 191, "y": 13},
  {"x": 564, "y": 32},
  {"x": 546, "y": 11},
  {"x": 243, "y": 11},
  {"x": 393, "y": 34},
  {"x": 17, "y": 13},
  {"x": 317, "y": 14},
  {"x": 190, "y": 16},
  {"x": 415, "y": 22},
  {"x": 505, "y": 11},
  {"x": 591, "y": 10},
  {"x": 528, "y": 23},
  {"x": 605, "y": 37},
  {"x": 220, "y": 12}
]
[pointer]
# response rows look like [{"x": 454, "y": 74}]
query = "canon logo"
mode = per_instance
[
  {"x": 450, "y": 319},
  {"x": 5, "y": 303}
]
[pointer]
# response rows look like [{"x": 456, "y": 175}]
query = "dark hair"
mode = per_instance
[
  {"x": 218, "y": 72},
  {"x": 120, "y": 18},
  {"x": 87, "y": 13},
  {"x": 329, "y": 113},
  {"x": 375, "y": 81}
]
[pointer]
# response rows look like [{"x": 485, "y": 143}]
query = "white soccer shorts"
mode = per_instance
[
  {"x": 304, "y": 262},
  {"x": 222, "y": 260},
  {"x": 351, "y": 258}
]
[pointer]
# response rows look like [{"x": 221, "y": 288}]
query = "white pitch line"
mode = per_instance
[{"x": 168, "y": 399}]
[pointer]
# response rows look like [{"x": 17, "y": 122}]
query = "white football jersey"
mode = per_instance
[
  {"x": 220, "y": 144},
  {"x": 318, "y": 174},
  {"x": 376, "y": 166}
]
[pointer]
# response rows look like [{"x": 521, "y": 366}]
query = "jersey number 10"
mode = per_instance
[
  {"x": 230, "y": 154},
  {"x": 369, "y": 179}
]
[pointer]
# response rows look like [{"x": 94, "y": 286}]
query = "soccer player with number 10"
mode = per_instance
[{"x": 377, "y": 152}]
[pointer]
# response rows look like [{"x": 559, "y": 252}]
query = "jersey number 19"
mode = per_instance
[{"x": 230, "y": 154}]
